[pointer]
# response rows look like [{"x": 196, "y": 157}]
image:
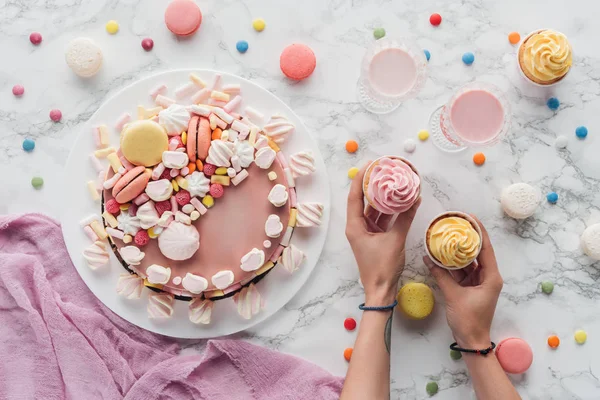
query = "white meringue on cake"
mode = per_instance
[
  {"x": 132, "y": 255},
  {"x": 222, "y": 279},
  {"x": 302, "y": 164},
  {"x": 278, "y": 127},
  {"x": 174, "y": 119},
  {"x": 160, "y": 305},
  {"x": 200, "y": 311},
  {"x": 245, "y": 152},
  {"x": 264, "y": 157},
  {"x": 291, "y": 258},
  {"x": 198, "y": 184},
  {"x": 96, "y": 255},
  {"x": 252, "y": 260},
  {"x": 273, "y": 226},
  {"x": 219, "y": 153},
  {"x": 130, "y": 286},
  {"x": 158, "y": 274},
  {"x": 278, "y": 195},
  {"x": 147, "y": 215},
  {"x": 175, "y": 159},
  {"x": 309, "y": 215},
  {"x": 179, "y": 241},
  {"x": 159, "y": 190},
  {"x": 194, "y": 283},
  {"x": 127, "y": 223}
]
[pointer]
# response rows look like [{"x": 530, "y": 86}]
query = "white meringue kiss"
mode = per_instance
[
  {"x": 273, "y": 226},
  {"x": 219, "y": 153},
  {"x": 264, "y": 157},
  {"x": 158, "y": 274},
  {"x": 175, "y": 159},
  {"x": 194, "y": 283},
  {"x": 245, "y": 153},
  {"x": 253, "y": 260},
  {"x": 179, "y": 241},
  {"x": 198, "y": 184},
  {"x": 160, "y": 190},
  {"x": 175, "y": 119},
  {"x": 278, "y": 195},
  {"x": 222, "y": 279},
  {"x": 147, "y": 215}
]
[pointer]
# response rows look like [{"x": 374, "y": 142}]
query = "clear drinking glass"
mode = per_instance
[
  {"x": 370, "y": 95},
  {"x": 445, "y": 134}
]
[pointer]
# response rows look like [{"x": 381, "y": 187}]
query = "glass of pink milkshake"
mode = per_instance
[
  {"x": 393, "y": 70},
  {"x": 477, "y": 115}
]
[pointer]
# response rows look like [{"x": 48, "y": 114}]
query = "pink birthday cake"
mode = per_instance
[{"x": 198, "y": 202}]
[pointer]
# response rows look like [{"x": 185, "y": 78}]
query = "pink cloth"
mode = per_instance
[{"x": 59, "y": 342}]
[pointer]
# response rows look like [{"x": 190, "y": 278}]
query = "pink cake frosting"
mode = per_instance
[{"x": 393, "y": 186}]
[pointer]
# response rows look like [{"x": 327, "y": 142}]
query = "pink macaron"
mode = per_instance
[
  {"x": 297, "y": 61},
  {"x": 183, "y": 17},
  {"x": 515, "y": 355},
  {"x": 131, "y": 185}
]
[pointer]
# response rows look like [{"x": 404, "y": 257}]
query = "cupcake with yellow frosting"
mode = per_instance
[
  {"x": 453, "y": 240},
  {"x": 545, "y": 57}
]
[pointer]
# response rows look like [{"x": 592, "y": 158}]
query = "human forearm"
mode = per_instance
[
  {"x": 489, "y": 379},
  {"x": 368, "y": 374}
]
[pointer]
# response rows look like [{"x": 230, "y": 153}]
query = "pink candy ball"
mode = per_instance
[
  {"x": 35, "y": 38},
  {"x": 55, "y": 115},
  {"x": 147, "y": 44},
  {"x": 18, "y": 90}
]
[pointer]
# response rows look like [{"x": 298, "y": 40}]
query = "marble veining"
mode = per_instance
[{"x": 544, "y": 247}]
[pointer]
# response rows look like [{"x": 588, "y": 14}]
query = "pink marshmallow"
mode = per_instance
[
  {"x": 215, "y": 83},
  {"x": 115, "y": 233},
  {"x": 141, "y": 199},
  {"x": 184, "y": 171},
  {"x": 90, "y": 233},
  {"x": 238, "y": 126},
  {"x": 96, "y": 163},
  {"x": 157, "y": 171},
  {"x": 217, "y": 103},
  {"x": 158, "y": 90},
  {"x": 277, "y": 253},
  {"x": 123, "y": 119},
  {"x": 174, "y": 205},
  {"x": 198, "y": 205},
  {"x": 201, "y": 95},
  {"x": 174, "y": 173},
  {"x": 173, "y": 143},
  {"x": 163, "y": 101},
  {"x": 232, "y": 88},
  {"x": 282, "y": 160},
  {"x": 293, "y": 198},
  {"x": 233, "y": 104},
  {"x": 185, "y": 90},
  {"x": 96, "y": 133},
  {"x": 128, "y": 166}
]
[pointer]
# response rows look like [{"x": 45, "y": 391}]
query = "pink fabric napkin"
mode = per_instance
[{"x": 59, "y": 342}]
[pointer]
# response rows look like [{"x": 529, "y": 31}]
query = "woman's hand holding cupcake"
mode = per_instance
[{"x": 379, "y": 252}]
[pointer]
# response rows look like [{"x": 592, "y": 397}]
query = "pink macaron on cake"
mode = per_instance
[
  {"x": 205, "y": 218},
  {"x": 391, "y": 185}
]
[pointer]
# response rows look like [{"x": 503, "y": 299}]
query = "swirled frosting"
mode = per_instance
[
  {"x": 547, "y": 55},
  {"x": 393, "y": 186},
  {"x": 219, "y": 153},
  {"x": 453, "y": 241}
]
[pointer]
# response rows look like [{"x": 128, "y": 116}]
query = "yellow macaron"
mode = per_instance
[
  {"x": 143, "y": 142},
  {"x": 416, "y": 300}
]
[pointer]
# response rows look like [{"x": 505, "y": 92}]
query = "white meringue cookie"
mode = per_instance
[
  {"x": 174, "y": 119},
  {"x": 302, "y": 164},
  {"x": 96, "y": 255},
  {"x": 147, "y": 215},
  {"x": 194, "y": 283},
  {"x": 291, "y": 258},
  {"x": 175, "y": 159},
  {"x": 158, "y": 274},
  {"x": 253, "y": 260},
  {"x": 273, "y": 226},
  {"x": 264, "y": 157},
  {"x": 179, "y": 241},
  {"x": 245, "y": 153},
  {"x": 198, "y": 184},
  {"x": 222, "y": 279},
  {"x": 278, "y": 195},
  {"x": 130, "y": 286},
  {"x": 132, "y": 255},
  {"x": 160, "y": 190},
  {"x": 160, "y": 305},
  {"x": 128, "y": 224},
  {"x": 200, "y": 311},
  {"x": 278, "y": 128},
  {"x": 309, "y": 215},
  {"x": 220, "y": 153}
]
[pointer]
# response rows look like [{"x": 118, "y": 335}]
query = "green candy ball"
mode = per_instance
[
  {"x": 378, "y": 33},
  {"x": 455, "y": 355},
  {"x": 37, "y": 182},
  {"x": 431, "y": 388},
  {"x": 547, "y": 287}
]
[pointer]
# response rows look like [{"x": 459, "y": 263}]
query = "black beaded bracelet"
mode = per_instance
[
  {"x": 378, "y": 308},
  {"x": 454, "y": 346}
]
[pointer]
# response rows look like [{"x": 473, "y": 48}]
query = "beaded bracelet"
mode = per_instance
[
  {"x": 454, "y": 346},
  {"x": 378, "y": 308}
]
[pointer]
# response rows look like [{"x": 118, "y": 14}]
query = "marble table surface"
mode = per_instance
[{"x": 544, "y": 247}]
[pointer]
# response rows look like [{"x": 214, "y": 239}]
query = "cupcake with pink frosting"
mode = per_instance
[{"x": 391, "y": 185}]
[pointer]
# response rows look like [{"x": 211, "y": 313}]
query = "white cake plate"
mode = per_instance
[{"x": 277, "y": 288}]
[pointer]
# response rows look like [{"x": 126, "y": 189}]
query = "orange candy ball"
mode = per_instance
[
  {"x": 479, "y": 158},
  {"x": 351, "y": 146},
  {"x": 553, "y": 341},
  {"x": 348, "y": 353},
  {"x": 192, "y": 167},
  {"x": 514, "y": 37}
]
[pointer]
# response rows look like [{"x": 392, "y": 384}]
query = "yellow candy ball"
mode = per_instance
[
  {"x": 259, "y": 24},
  {"x": 208, "y": 201},
  {"x": 221, "y": 171},
  {"x": 112, "y": 27},
  {"x": 175, "y": 185},
  {"x": 580, "y": 336},
  {"x": 416, "y": 300},
  {"x": 423, "y": 135},
  {"x": 151, "y": 233},
  {"x": 352, "y": 172}
]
